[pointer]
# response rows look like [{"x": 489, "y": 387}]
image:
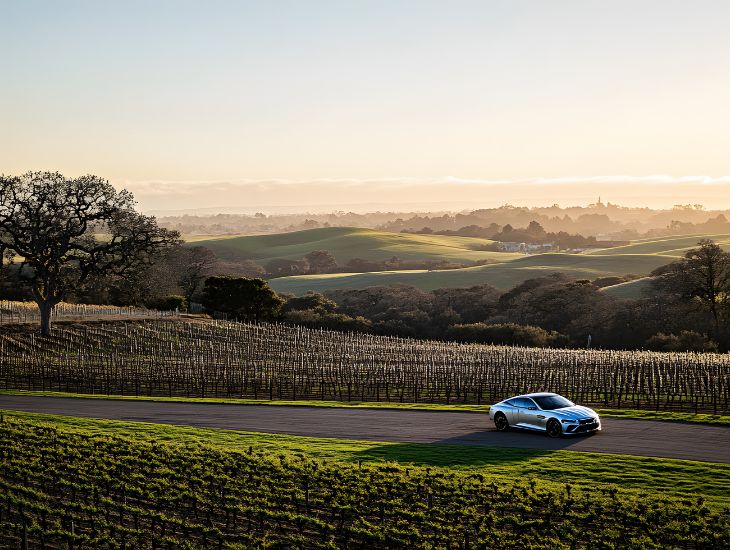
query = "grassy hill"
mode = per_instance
[
  {"x": 666, "y": 246},
  {"x": 631, "y": 290},
  {"x": 347, "y": 243},
  {"x": 504, "y": 275},
  {"x": 505, "y": 269}
]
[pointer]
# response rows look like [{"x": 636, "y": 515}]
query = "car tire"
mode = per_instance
[
  {"x": 554, "y": 429},
  {"x": 501, "y": 422}
]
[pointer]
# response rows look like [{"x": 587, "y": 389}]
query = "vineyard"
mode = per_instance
[
  {"x": 71, "y": 489},
  {"x": 225, "y": 359},
  {"x": 28, "y": 312}
]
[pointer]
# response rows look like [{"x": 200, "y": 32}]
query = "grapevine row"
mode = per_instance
[
  {"x": 265, "y": 361},
  {"x": 62, "y": 488},
  {"x": 12, "y": 312}
]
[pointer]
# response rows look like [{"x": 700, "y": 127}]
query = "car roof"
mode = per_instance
[{"x": 540, "y": 394}]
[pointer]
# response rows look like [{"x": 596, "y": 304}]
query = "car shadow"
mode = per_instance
[{"x": 483, "y": 448}]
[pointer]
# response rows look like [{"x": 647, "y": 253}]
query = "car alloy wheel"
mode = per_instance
[
  {"x": 554, "y": 429},
  {"x": 500, "y": 421}
]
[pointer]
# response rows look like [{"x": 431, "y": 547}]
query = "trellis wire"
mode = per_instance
[
  {"x": 267, "y": 361},
  {"x": 27, "y": 312}
]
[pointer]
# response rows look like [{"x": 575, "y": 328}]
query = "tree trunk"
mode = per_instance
[{"x": 46, "y": 308}]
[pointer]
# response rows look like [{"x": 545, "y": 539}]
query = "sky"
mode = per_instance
[{"x": 365, "y": 103}]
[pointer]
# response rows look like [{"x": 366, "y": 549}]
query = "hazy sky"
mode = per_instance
[{"x": 150, "y": 93}]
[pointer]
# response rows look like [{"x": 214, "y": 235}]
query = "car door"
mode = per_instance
[
  {"x": 522, "y": 418},
  {"x": 531, "y": 416}
]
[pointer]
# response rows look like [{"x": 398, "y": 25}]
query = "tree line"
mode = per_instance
[
  {"x": 685, "y": 308},
  {"x": 610, "y": 220},
  {"x": 533, "y": 233}
]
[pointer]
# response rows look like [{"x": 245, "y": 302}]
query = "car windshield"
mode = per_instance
[{"x": 552, "y": 402}]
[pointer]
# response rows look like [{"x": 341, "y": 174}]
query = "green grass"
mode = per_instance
[
  {"x": 630, "y": 290},
  {"x": 639, "y": 258},
  {"x": 504, "y": 275},
  {"x": 347, "y": 243},
  {"x": 666, "y": 476},
  {"x": 196, "y": 238},
  {"x": 504, "y": 271},
  {"x": 482, "y": 409},
  {"x": 92, "y": 484},
  {"x": 675, "y": 246}
]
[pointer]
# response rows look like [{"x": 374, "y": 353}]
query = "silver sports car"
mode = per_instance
[{"x": 544, "y": 412}]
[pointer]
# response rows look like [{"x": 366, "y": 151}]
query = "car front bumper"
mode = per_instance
[{"x": 575, "y": 429}]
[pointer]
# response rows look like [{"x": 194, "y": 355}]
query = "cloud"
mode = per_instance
[
  {"x": 444, "y": 193},
  {"x": 154, "y": 186}
]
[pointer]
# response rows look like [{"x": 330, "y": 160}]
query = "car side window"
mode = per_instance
[{"x": 522, "y": 403}]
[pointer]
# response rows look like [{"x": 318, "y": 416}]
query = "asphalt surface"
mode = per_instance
[{"x": 620, "y": 436}]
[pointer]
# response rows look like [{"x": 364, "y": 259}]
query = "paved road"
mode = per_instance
[{"x": 633, "y": 437}]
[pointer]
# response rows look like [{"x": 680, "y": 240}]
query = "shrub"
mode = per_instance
[
  {"x": 249, "y": 299},
  {"x": 507, "y": 334},
  {"x": 687, "y": 340},
  {"x": 331, "y": 321},
  {"x": 168, "y": 303}
]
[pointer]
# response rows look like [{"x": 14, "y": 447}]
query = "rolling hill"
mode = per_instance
[
  {"x": 666, "y": 246},
  {"x": 347, "y": 243},
  {"x": 630, "y": 290},
  {"x": 504, "y": 271},
  {"x": 504, "y": 275}
]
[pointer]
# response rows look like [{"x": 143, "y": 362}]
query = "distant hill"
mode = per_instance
[
  {"x": 667, "y": 246},
  {"x": 347, "y": 243},
  {"x": 505, "y": 269},
  {"x": 504, "y": 275}
]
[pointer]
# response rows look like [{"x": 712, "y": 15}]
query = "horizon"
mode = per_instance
[{"x": 437, "y": 195}]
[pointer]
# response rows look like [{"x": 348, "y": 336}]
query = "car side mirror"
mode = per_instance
[{"x": 531, "y": 408}]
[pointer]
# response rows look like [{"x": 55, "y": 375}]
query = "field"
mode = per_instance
[
  {"x": 503, "y": 276},
  {"x": 70, "y": 486},
  {"x": 347, "y": 243},
  {"x": 218, "y": 359},
  {"x": 639, "y": 258},
  {"x": 666, "y": 246}
]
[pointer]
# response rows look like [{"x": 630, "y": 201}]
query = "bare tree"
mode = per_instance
[
  {"x": 65, "y": 232},
  {"x": 195, "y": 264}
]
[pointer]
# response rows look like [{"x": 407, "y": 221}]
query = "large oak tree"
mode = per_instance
[{"x": 64, "y": 232}]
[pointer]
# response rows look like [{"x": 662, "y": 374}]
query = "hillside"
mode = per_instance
[
  {"x": 504, "y": 275},
  {"x": 631, "y": 290},
  {"x": 347, "y": 243},
  {"x": 667, "y": 246},
  {"x": 637, "y": 258}
]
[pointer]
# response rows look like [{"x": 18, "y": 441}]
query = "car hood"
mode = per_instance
[{"x": 576, "y": 412}]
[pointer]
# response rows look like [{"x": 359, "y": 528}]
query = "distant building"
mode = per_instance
[
  {"x": 526, "y": 248},
  {"x": 513, "y": 247},
  {"x": 545, "y": 247}
]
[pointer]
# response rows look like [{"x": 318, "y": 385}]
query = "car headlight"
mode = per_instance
[{"x": 568, "y": 421}]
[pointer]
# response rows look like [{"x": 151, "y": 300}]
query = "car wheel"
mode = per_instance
[
  {"x": 500, "y": 421},
  {"x": 553, "y": 428}
]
